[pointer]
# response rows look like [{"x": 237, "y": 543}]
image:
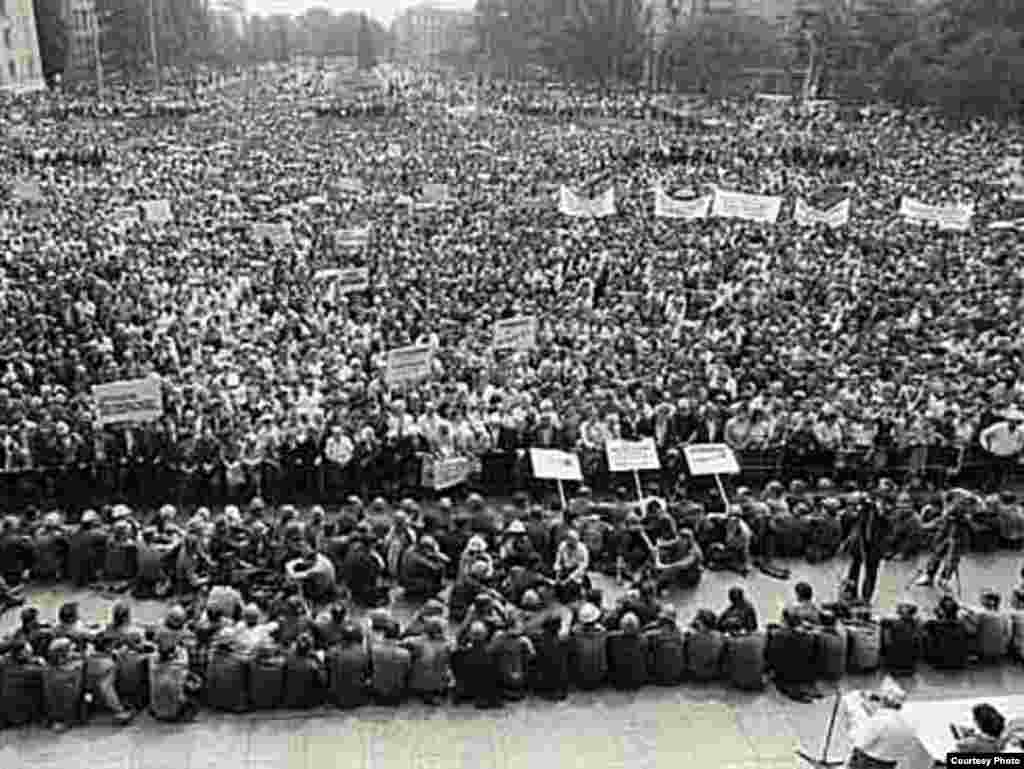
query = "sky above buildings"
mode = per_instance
[{"x": 382, "y": 10}]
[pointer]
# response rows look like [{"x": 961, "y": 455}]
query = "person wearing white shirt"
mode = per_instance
[
  {"x": 1004, "y": 441},
  {"x": 883, "y": 738}
]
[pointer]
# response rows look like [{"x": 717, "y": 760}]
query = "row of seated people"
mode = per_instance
[{"x": 233, "y": 657}]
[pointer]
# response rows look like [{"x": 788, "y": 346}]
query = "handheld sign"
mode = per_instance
[
  {"x": 441, "y": 474},
  {"x": 131, "y": 400},
  {"x": 157, "y": 211},
  {"x": 409, "y": 364},
  {"x": 711, "y": 459},
  {"x": 551, "y": 464},
  {"x": 627, "y": 456},
  {"x": 345, "y": 280},
  {"x": 516, "y": 333}
]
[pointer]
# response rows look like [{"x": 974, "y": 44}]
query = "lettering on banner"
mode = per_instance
[
  {"x": 954, "y": 217},
  {"x": 739, "y": 205},
  {"x": 554, "y": 465},
  {"x": 627, "y": 456},
  {"x": 571, "y": 204},
  {"x": 409, "y": 364},
  {"x": 133, "y": 400},
  {"x": 516, "y": 333},
  {"x": 667, "y": 207},
  {"x": 711, "y": 459}
]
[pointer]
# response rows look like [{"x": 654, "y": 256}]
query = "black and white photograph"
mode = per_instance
[{"x": 511, "y": 384}]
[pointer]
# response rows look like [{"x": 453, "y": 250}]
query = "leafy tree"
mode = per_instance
[
  {"x": 605, "y": 40},
  {"x": 712, "y": 54},
  {"x": 365, "y": 45},
  {"x": 53, "y": 37}
]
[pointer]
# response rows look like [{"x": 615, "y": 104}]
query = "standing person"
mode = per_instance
[
  {"x": 867, "y": 544},
  {"x": 1004, "y": 440},
  {"x": 951, "y": 536}
]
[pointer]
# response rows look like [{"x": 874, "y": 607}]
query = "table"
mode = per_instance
[{"x": 931, "y": 720}]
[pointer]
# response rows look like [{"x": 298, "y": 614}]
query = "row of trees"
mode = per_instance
[
  {"x": 191, "y": 33},
  {"x": 966, "y": 56}
]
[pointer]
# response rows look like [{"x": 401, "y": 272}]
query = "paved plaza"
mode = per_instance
[{"x": 689, "y": 726}]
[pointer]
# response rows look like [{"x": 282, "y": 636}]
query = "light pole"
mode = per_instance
[
  {"x": 96, "y": 53},
  {"x": 152, "y": 45}
]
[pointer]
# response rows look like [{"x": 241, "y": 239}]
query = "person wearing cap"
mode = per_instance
[
  {"x": 475, "y": 669},
  {"x": 628, "y": 654},
  {"x": 1004, "y": 442},
  {"x": 588, "y": 654},
  {"x": 423, "y": 569},
  {"x": 63, "y": 683},
  {"x": 51, "y": 550},
  {"x": 86, "y": 550},
  {"x": 515, "y": 548},
  {"x": 880, "y": 734},
  {"x": 475, "y": 552}
]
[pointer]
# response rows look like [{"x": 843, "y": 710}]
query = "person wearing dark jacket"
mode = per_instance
[
  {"x": 628, "y": 655},
  {"x": 390, "y": 665},
  {"x": 549, "y": 671},
  {"x": 348, "y": 667},
  {"x": 589, "y": 652},
  {"x": 475, "y": 669},
  {"x": 16, "y": 553},
  {"x": 86, "y": 551},
  {"x": 667, "y": 647},
  {"x": 423, "y": 569},
  {"x": 362, "y": 570},
  {"x": 739, "y": 616},
  {"x": 51, "y": 548},
  {"x": 791, "y": 655},
  {"x": 867, "y": 544},
  {"x": 512, "y": 651}
]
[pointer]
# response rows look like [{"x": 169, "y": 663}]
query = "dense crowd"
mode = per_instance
[{"x": 264, "y": 613}]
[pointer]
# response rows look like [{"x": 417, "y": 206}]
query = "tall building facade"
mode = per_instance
[
  {"x": 80, "y": 23},
  {"x": 20, "y": 65},
  {"x": 425, "y": 31}
]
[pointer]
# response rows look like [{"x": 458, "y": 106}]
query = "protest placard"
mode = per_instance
[
  {"x": 352, "y": 237},
  {"x": 349, "y": 186},
  {"x": 711, "y": 459},
  {"x": 434, "y": 195},
  {"x": 739, "y": 205},
  {"x": 345, "y": 280},
  {"x": 667, "y": 207},
  {"x": 627, "y": 456},
  {"x": 577, "y": 206},
  {"x": 949, "y": 217},
  {"x": 516, "y": 333},
  {"x": 554, "y": 465},
  {"x": 27, "y": 191},
  {"x": 409, "y": 364},
  {"x": 157, "y": 211},
  {"x": 836, "y": 216},
  {"x": 129, "y": 400},
  {"x": 277, "y": 234},
  {"x": 441, "y": 474}
]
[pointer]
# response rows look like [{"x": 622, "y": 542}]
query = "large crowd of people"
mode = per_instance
[{"x": 858, "y": 372}]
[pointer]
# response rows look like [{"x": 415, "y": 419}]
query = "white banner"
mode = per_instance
[
  {"x": 27, "y": 191},
  {"x": 554, "y": 465},
  {"x": 350, "y": 186},
  {"x": 667, "y": 207},
  {"x": 409, "y": 364},
  {"x": 711, "y": 459},
  {"x": 957, "y": 217},
  {"x": 515, "y": 333},
  {"x": 352, "y": 237},
  {"x": 627, "y": 456},
  {"x": 130, "y": 400},
  {"x": 739, "y": 205},
  {"x": 571, "y": 204},
  {"x": 125, "y": 216},
  {"x": 345, "y": 280},
  {"x": 157, "y": 211},
  {"x": 277, "y": 234},
  {"x": 441, "y": 474},
  {"x": 434, "y": 195},
  {"x": 836, "y": 216}
]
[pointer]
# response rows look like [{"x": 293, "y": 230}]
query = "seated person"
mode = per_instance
[
  {"x": 805, "y": 609},
  {"x": 946, "y": 641},
  {"x": 529, "y": 576},
  {"x": 423, "y": 568},
  {"x": 791, "y": 654},
  {"x": 315, "y": 573},
  {"x": 628, "y": 654},
  {"x": 633, "y": 548},
  {"x": 572, "y": 561},
  {"x": 986, "y": 736},
  {"x": 733, "y": 553},
  {"x": 988, "y": 628},
  {"x": 678, "y": 558},
  {"x": 739, "y": 616},
  {"x": 902, "y": 640}
]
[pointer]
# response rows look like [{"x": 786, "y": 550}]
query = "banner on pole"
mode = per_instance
[
  {"x": 711, "y": 459},
  {"x": 955, "y": 217},
  {"x": 571, "y": 204},
  {"x": 836, "y": 216},
  {"x": 434, "y": 195},
  {"x": 627, "y": 456},
  {"x": 352, "y": 237},
  {"x": 349, "y": 186},
  {"x": 516, "y": 333},
  {"x": 667, "y": 207},
  {"x": 409, "y": 364},
  {"x": 27, "y": 191},
  {"x": 753, "y": 208},
  {"x": 130, "y": 400},
  {"x": 277, "y": 234},
  {"x": 157, "y": 211},
  {"x": 554, "y": 465},
  {"x": 345, "y": 280}
]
